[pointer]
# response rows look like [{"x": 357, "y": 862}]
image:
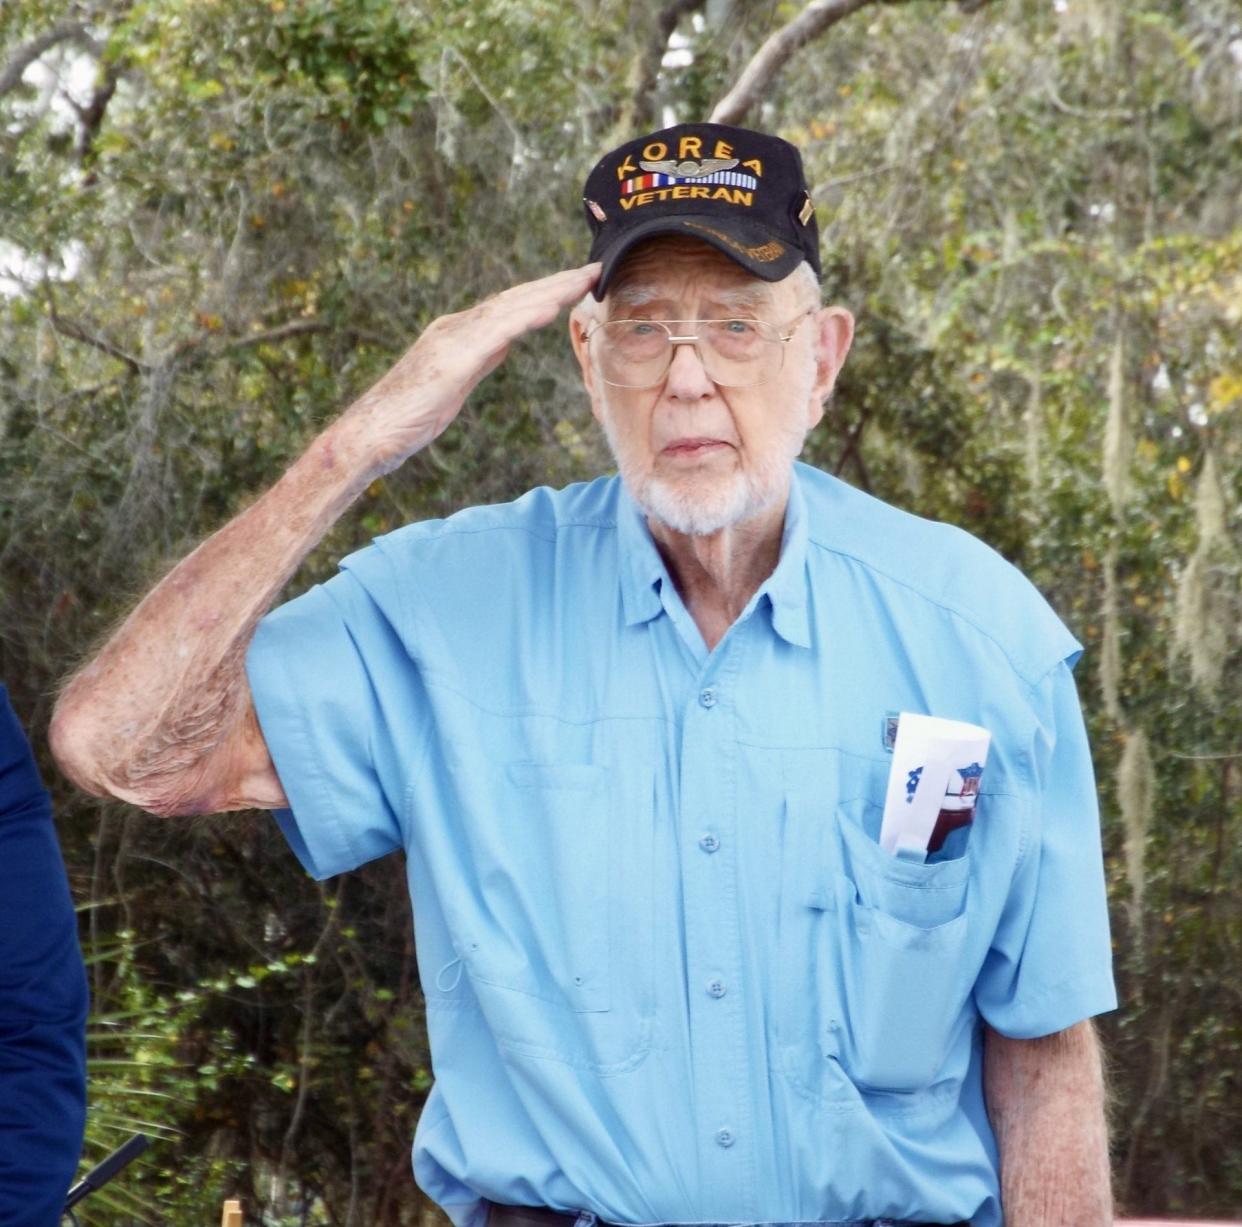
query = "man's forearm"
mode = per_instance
[
  {"x": 155, "y": 701},
  {"x": 162, "y": 717},
  {"x": 1045, "y": 1099}
]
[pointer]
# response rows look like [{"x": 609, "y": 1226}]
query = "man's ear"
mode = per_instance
[
  {"x": 579, "y": 322},
  {"x": 834, "y": 331}
]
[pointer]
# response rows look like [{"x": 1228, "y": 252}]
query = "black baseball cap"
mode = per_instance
[{"x": 743, "y": 192}]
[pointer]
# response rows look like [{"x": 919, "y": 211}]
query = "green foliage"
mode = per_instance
[
  {"x": 278, "y": 196},
  {"x": 140, "y": 1082}
]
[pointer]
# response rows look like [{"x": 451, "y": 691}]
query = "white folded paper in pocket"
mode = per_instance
[{"x": 937, "y": 767}]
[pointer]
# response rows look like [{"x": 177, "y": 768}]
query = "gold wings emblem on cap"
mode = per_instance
[{"x": 688, "y": 169}]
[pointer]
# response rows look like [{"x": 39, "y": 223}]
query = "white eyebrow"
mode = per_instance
[
  {"x": 744, "y": 298},
  {"x": 627, "y": 297}
]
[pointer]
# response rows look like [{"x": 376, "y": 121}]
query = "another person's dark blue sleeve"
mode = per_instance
[{"x": 43, "y": 997}]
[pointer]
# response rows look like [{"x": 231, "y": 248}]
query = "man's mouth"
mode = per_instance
[{"x": 693, "y": 446}]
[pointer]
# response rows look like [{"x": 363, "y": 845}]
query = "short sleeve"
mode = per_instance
[
  {"x": 1050, "y": 962},
  {"x": 340, "y": 705}
]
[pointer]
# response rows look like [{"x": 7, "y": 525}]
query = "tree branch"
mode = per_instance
[
  {"x": 206, "y": 345},
  {"x": 25, "y": 55},
  {"x": 776, "y": 52},
  {"x": 75, "y": 331},
  {"x": 300, "y": 328},
  {"x": 201, "y": 347},
  {"x": 781, "y": 47},
  {"x": 647, "y": 64},
  {"x": 853, "y": 451},
  {"x": 91, "y": 116},
  {"x": 291, "y": 328}
]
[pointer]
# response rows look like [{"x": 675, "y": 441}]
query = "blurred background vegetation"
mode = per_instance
[{"x": 220, "y": 219}]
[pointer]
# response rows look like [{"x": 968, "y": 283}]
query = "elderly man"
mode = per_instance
[{"x": 630, "y": 735}]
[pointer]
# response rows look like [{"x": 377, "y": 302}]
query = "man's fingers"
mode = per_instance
[
  {"x": 495, "y": 322},
  {"x": 563, "y": 282},
  {"x": 536, "y": 304},
  {"x": 470, "y": 344},
  {"x": 542, "y": 299}
]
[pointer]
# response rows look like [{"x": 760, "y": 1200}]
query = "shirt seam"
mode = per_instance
[
  {"x": 435, "y": 677},
  {"x": 1019, "y": 670},
  {"x": 1023, "y": 758},
  {"x": 447, "y": 529}
]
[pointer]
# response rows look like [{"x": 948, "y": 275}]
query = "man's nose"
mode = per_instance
[{"x": 687, "y": 378}]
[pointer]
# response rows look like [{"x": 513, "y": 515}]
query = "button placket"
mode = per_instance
[{"x": 711, "y": 899}]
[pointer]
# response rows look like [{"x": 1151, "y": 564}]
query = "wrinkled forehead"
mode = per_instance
[{"x": 672, "y": 270}]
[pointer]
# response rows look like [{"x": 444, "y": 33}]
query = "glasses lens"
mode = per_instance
[
  {"x": 638, "y": 340},
  {"x": 633, "y": 353},
  {"x": 738, "y": 353},
  {"x": 734, "y": 353}
]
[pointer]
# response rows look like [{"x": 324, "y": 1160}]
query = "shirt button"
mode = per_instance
[
  {"x": 707, "y": 697},
  {"x": 709, "y": 843},
  {"x": 716, "y": 988},
  {"x": 725, "y": 1138}
]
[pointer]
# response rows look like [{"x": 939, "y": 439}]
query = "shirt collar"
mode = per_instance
[{"x": 643, "y": 570}]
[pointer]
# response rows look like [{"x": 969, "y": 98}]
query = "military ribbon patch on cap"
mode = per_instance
[{"x": 643, "y": 183}]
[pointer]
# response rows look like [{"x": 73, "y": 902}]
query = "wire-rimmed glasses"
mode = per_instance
[{"x": 736, "y": 353}]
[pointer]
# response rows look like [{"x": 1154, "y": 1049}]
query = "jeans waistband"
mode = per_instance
[{"x": 538, "y": 1216}]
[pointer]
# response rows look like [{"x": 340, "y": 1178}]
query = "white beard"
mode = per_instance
[
  {"x": 699, "y": 512},
  {"x": 703, "y": 508}
]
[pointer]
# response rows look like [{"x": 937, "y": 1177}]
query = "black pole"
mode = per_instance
[{"x": 117, "y": 1161}]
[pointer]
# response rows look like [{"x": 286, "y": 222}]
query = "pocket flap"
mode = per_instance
[{"x": 924, "y": 895}]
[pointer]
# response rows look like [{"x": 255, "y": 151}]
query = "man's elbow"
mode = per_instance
[
  {"x": 106, "y": 764},
  {"x": 70, "y": 737}
]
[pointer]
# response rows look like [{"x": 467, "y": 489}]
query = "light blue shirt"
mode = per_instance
[{"x": 670, "y": 975}]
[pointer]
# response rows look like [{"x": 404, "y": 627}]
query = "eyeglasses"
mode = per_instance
[{"x": 734, "y": 353}]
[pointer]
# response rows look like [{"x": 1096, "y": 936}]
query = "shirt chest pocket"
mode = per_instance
[
  {"x": 553, "y": 924},
  {"x": 873, "y": 956}
]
